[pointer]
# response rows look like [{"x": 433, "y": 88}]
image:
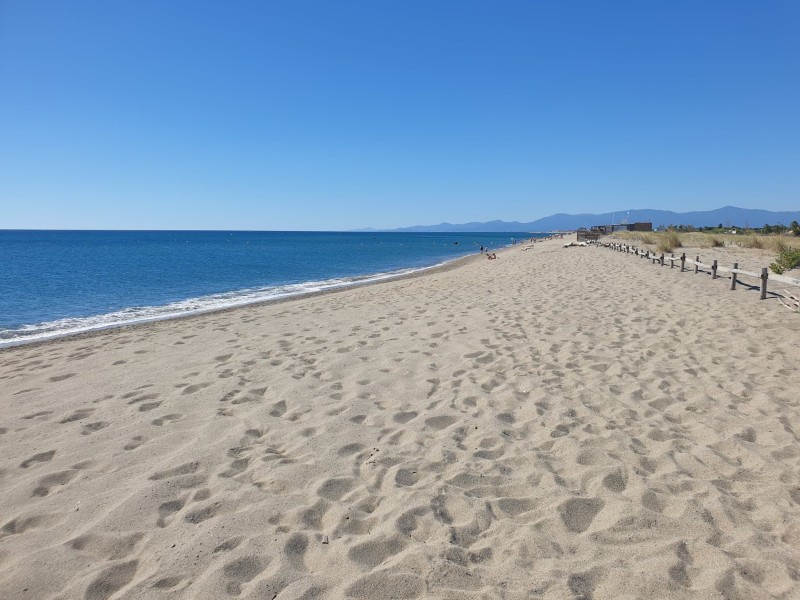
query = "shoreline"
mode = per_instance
[
  {"x": 370, "y": 279},
  {"x": 101, "y": 329}
]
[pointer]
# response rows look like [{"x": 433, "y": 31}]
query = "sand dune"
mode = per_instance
[{"x": 557, "y": 423}]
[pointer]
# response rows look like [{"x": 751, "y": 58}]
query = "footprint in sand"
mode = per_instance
[
  {"x": 335, "y": 489},
  {"x": 111, "y": 581},
  {"x": 48, "y": 482},
  {"x": 295, "y": 550},
  {"x": 135, "y": 442},
  {"x": 383, "y": 584},
  {"x": 236, "y": 467},
  {"x": 373, "y": 552},
  {"x": 38, "y": 458},
  {"x": 406, "y": 477},
  {"x": 105, "y": 546},
  {"x": 349, "y": 449},
  {"x": 20, "y": 525},
  {"x": 191, "y": 389},
  {"x": 242, "y": 570},
  {"x": 167, "y": 583},
  {"x": 203, "y": 514},
  {"x": 228, "y": 545},
  {"x": 167, "y": 509},
  {"x": 184, "y": 469},
  {"x": 404, "y": 417},
  {"x": 441, "y": 422},
  {"x": 166, "y": 419},
  {"x": 62, "y": 377},
  {"x": 77, "y": 415},
  {"x": 92, "y": 427},
  {"x": 278, "y": 409},
  {"x": 139, "y": 397},
  {"x": 201, "y": 495},
  {"x": 41, "y": 413},
  {"x": 615, "y": 482},
  {"x": 516, "y": 506},
  {"x": 578, "y": 513},
  {"x": 312, "y": 517}
]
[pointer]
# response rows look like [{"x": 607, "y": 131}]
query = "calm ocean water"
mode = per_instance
[{"x": 58, "y": 282}]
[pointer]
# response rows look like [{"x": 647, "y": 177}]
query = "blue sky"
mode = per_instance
[{"x": 337, "y": 115}]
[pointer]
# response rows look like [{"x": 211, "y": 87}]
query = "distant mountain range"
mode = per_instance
[{"x": 728, "y": 216}]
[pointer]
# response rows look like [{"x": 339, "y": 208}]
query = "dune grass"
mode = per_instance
[{"x": 668, "y": 241}]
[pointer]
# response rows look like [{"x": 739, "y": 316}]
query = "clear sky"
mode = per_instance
[{"x": 168, "y": 114}]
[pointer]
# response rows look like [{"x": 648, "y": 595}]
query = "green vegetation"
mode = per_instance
[{"x": 789, "y": 258}]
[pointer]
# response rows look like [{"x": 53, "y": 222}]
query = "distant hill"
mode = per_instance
[{"x": 728, "y": 216}]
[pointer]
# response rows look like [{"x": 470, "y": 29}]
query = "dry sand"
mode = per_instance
[{"x": 558, "y": 423}]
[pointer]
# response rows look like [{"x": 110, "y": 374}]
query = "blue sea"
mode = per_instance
[{"x": 60, "y": 282}]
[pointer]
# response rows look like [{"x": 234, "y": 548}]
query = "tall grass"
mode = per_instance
[
  {"x": 668, "y": 241},
  {"x": 778, "y": 245},
  {"x": 751, "y": 241},
  {"x": 646, "y": 238}
]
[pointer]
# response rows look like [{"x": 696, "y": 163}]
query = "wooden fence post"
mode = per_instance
[
  {"x": 696, "y": 266},
  {"x": 714, "y": 270},
  {"x": 764, "y": 276},
  {"x": 672, "y": 262},
  {"x": 683, "y": 262},
  {"x": 733, "y": 276},
  {"x": 662, "y": 259}
]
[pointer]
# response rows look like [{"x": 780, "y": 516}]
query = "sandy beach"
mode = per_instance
[{"x": 556, "y": 423}]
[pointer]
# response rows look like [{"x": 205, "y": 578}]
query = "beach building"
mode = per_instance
[{"x": 606, "y": 229}]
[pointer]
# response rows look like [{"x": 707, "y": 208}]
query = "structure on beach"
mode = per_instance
[{"x": 605, "y": 229}]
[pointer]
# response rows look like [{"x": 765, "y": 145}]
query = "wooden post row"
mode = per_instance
[{"x": 654, "y": 258}]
